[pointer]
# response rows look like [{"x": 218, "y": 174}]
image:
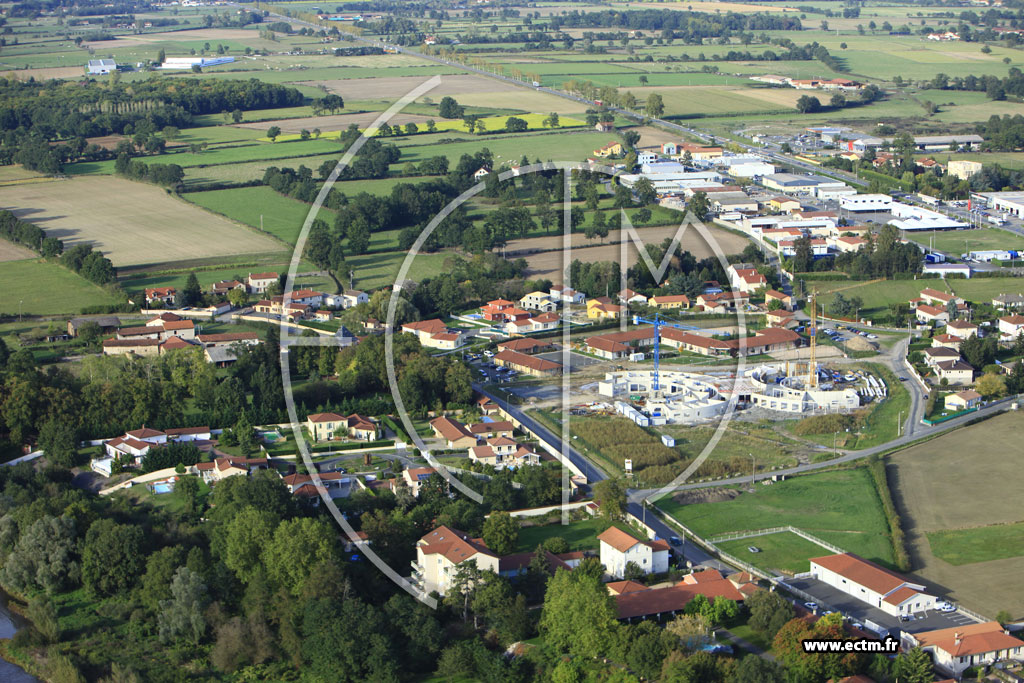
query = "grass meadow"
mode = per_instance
[
  {"x": 839, "y": 506},
  {"x": 783, "y": 551},
  {"x": 43, "y": 288}
]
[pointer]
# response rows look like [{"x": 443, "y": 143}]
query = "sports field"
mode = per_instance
[
  {"x": 841, "y": 507},
  {"x": 959, "y": 499},
  {"x": 131, "y": 223},
  {"x": 783, "y": 551},
  {"x": 962, "y": 241},
  {"x": 41, "y": 288}
]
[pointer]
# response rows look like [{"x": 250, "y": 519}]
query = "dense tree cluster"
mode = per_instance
[
  {"x": 686, "y": 26},
  {"x": 168, "y": 175},
  {"x": 28, "y": 234},
  {"x": 90, "y": 264},
  {"x": 60, "y": 109}
]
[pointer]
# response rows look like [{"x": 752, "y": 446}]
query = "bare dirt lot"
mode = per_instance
[
  {"x": 396, "y": 86},
  {"x": 969, "y": 478},
  {"x": 44, "y": 73},
  {"x": 550, "y": 263},
  {"x": 334, "y": 122},
  {"x": 131, "y": 223},
  {"x": 9, "y": 251},
  {"x": 520, "y": 98}
]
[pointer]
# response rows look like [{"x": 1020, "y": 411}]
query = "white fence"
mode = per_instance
[{"x": 737, "y": 535}]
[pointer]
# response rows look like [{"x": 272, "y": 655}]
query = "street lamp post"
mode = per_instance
[{"x": 753, "y": 469}]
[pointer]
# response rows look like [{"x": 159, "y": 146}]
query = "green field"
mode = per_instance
[
  {"x": 225, "y": 154},
  {"x": 580, "y": 535},
  {"x": 878, "y": 294},
  {"x": 784, "y": 551},
  {"x": 841, "y": 507},
  {"x": 37, "y": 287},
  {"x": 978, "y": 544},
  {"x": 259, "y": 207}
]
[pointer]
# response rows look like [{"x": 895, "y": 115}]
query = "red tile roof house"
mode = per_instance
[
  {"x": 654, "y": 602},
  {"x": 958, "y": 648},
  {"x": 619, "y": 548},
  {"x": 258, "y": 282},
  {"x": 324, "y": 426},
  {"x": 439, "y": 552},
  {"x": 874, "y": 585},
  {"x": 453, "y": 432},
  {"x": 162, "y": 295}
]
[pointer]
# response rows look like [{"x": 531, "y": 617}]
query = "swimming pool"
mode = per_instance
[{"x": 162, "y": 487}]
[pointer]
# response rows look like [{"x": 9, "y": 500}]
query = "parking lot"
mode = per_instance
[
  {"x": 577, "y": 361},
  {"x": 828, "y": 597}
]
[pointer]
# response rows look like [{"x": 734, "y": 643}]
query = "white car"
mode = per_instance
[{"x": 946, "y": 607}]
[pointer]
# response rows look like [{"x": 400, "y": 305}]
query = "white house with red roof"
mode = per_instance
[
  {"x": 872, "y": 584},
  {"x": 442, "y": 550},
  {"x": 258, "y": 282},
  {"x": 566, "y": 295},
  {"x": 435, "y": 334},
  {"x": 746, "y": 280},
  {"x": 162, "y": 295},
  {"x": 958, "y": 648},
  {"x": 415, "y": 477},
  {"x": 325, "y": 426},
  {"x": 619, "y": 548},
  {"x": 1011, "y": 325}
]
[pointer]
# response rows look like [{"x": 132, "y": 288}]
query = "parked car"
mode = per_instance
[
  {"x": 675, "y": 540},
  {"x": 946, "y": 607},
  {"x": 811, "y": 605}
]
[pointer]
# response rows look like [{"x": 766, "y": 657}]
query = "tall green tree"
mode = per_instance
[
  {"x": 501, "y": 533},
  {"x": 579, "y": 616},
  {"x": 182, "y": 616},
  {"x": 112, "y": 557}
]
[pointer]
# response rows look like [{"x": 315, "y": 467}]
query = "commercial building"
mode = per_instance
[
  {"x": 872, "y": 584},
  {"x": 908, "y": 217},
  {"x": 791, "y": 182},
  {"x": 866, "y": 202},
  {"x": 1007, "y": 202}
]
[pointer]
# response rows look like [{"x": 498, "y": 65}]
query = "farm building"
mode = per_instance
[{"x": 97, "y": 67}]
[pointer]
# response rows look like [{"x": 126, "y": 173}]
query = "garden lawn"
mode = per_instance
[
  {"x": 840, "y": 506},
  {"x": 581, "y": 535}
]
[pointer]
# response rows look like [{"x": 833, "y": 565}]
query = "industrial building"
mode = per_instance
[
  {"x": 907, "y": 217},
  {"x": 1007, "y": 202},
  {"x": 97, "y": 67},
  {"x": 866, "y": 202},
  {"x": 805, "y": 184},
  {"x": 682, "y": 397},
  {"x": 189, "y": 62}
]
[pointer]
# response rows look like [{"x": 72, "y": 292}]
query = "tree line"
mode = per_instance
[{"x": 55, "y": 109}]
